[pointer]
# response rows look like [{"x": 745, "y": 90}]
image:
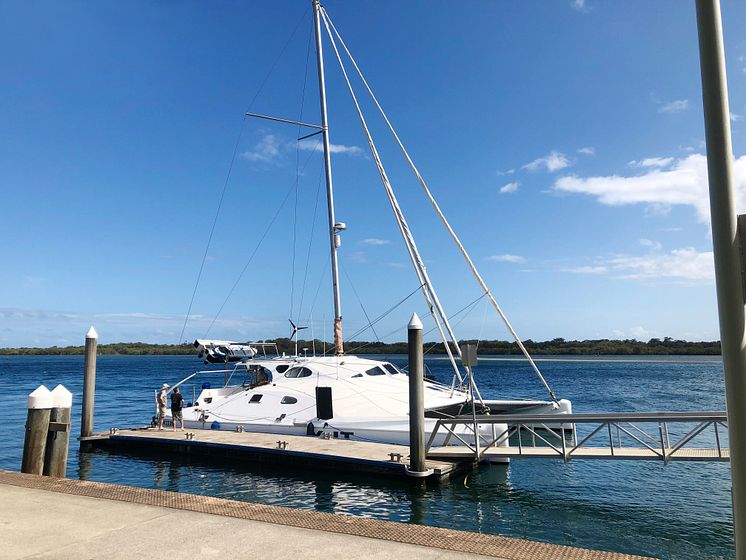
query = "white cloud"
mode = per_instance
[
  {"x": 674, "y": 106},
  {"x": 652, "y": 162},
  {"x": 508, "y": 172},
  {"x": 313, "y": 145},
  {"x": 680, "y": 265},
  {"x": 588, "y": 150},
  {"x": 393, "y": 264},
  {"x": 683, "y": 183},
  {"x": 651, "y": 244},
  {"x": 685, "y": 264},
  {"x": 735, "y": 117},
  {"x": 509, "y": 188},
  {"x": 267, "y": 149},
  {"x": 507, "y": 258},
  {"x": 587, "y": 270},
  {"x": 553, "y": 161},
  {"x": 374, "y": 241},
  {"x": 579, "y": 5}
]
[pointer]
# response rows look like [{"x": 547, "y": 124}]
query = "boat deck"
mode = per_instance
[{"x": 363, "y": 456}]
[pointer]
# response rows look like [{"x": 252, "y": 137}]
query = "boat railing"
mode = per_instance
[{"x": 666, "y": 436}]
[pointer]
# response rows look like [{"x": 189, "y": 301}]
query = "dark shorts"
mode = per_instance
[{"x": 176, "y": 415}]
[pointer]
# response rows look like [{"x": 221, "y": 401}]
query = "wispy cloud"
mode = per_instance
[
  {"x": 674, "y": 106},
  {"x": 395, "y": 264},
  {"x": 588, "y": 151},
  {"x": 266, "y": 150},
  {"x": 587, "y": 270},
  {"x": 312, "y": 145},
  {"x": 579, "y": 5},
  {"x": 654, "y": 245},
  {"x": 375, "y": 241},
  {"x": 680, "y": 265},
  {"x": 509, "y": 188},
  {"x": 684, "y": 182},
  {"x": 553, "y": 161},
  {"x": 734, "y": 117},
  {"x": 507, "y": 258},
  {"x": 652, "y": 162}
]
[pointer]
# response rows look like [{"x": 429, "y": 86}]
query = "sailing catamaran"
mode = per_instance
[{"x": 345, "y": 396}]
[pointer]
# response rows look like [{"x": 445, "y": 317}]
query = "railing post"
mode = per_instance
[
  {"x": 89, "y": 383},
  {"x": 417, "y": 466}
]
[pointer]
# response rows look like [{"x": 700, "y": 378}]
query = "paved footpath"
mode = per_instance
[{"x": 48, "y": 518}]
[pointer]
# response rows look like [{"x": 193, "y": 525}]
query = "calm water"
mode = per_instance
[{"x": 680, "y": 511}]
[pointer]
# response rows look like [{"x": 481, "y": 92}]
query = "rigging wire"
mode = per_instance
[
  {"x": 429, "y": 293},
  {"x": 297, "y": 175},
  {"x": 230, "y": 169},
  {"x": 310, "y": 243},
  {"x": 361, "y": 303},
  {"x": 379, "y": 318},
  {"x": 251, "y": 257},
  {"x": 437, "y": 209}
]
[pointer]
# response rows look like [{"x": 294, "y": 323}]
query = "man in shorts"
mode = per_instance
[
  {"x": 177, "y": 403},
  {"x": 162, "y": 405}
]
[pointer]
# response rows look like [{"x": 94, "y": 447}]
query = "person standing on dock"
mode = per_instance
[
  {"x": 162, "y": 405},
  {"x": 177, "y": 403}
]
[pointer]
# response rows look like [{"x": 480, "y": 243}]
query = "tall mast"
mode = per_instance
[{"x": 338, "y": 348}]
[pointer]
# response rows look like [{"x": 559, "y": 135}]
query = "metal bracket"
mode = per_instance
[
  {"x": 59, "y": 427},
  {"x": 741, "y": 236}
]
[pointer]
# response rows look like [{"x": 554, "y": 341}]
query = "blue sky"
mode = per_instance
[{"x": 563, "y": 139}]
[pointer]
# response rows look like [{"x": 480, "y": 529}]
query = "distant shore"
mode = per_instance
[{"x": 555, "y": 347}]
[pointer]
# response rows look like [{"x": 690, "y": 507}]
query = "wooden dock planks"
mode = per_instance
[{"x": 363, "y": 456}]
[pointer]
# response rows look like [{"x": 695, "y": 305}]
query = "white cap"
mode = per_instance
[
  {"x": 415, "y": 323},
  {"x": 91, "y": 333},
  {"x": 62, "y": 398},
  {"x": 165, "y": 386},
  {"x": 40, "y": 398}
]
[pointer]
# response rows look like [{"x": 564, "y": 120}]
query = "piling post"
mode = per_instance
[
  {"x": 416, "y": 399},
  {"x": 58, "y": 437},
  {"x": 39, "y": 406},
  {"x": 89, "y": 383},
  {"x": 725, "y": 242}
]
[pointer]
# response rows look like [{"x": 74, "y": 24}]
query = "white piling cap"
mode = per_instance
[
  {"x": 40, "y": 398},
  {"x": 415, "y": 323},
  {"x": 91, "y": 333},
  {"x": 62, "y": 397}
]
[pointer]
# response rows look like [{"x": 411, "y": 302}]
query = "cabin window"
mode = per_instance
[
  {"x": 282, "y": 369},
  {"x": 357, "y": 375},
  {"x": 298, "y": 372},
  {"x": 391, "y": 368},
  {"x": 288, "y": 400},
  {"x": 255, "y": 399},
  {"x": 375, "y": 371}
]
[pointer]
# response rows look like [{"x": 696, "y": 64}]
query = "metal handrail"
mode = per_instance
[{"x": 547, "y": 427}]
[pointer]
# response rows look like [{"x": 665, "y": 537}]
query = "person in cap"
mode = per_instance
[{"x": 162, "y": 405}]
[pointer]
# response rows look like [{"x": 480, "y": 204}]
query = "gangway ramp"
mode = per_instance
[{"x": 665, "y": 436}]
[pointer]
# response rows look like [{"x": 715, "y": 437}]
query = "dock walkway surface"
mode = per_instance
[
  {"x": 52, "y": 518},
  {"x": 364, "y": 456}
]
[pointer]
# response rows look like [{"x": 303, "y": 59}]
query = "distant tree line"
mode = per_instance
[{"x": 556, "y": 346}]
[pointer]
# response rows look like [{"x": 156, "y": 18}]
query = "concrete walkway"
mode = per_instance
[{"x": 42, "y": 517}]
